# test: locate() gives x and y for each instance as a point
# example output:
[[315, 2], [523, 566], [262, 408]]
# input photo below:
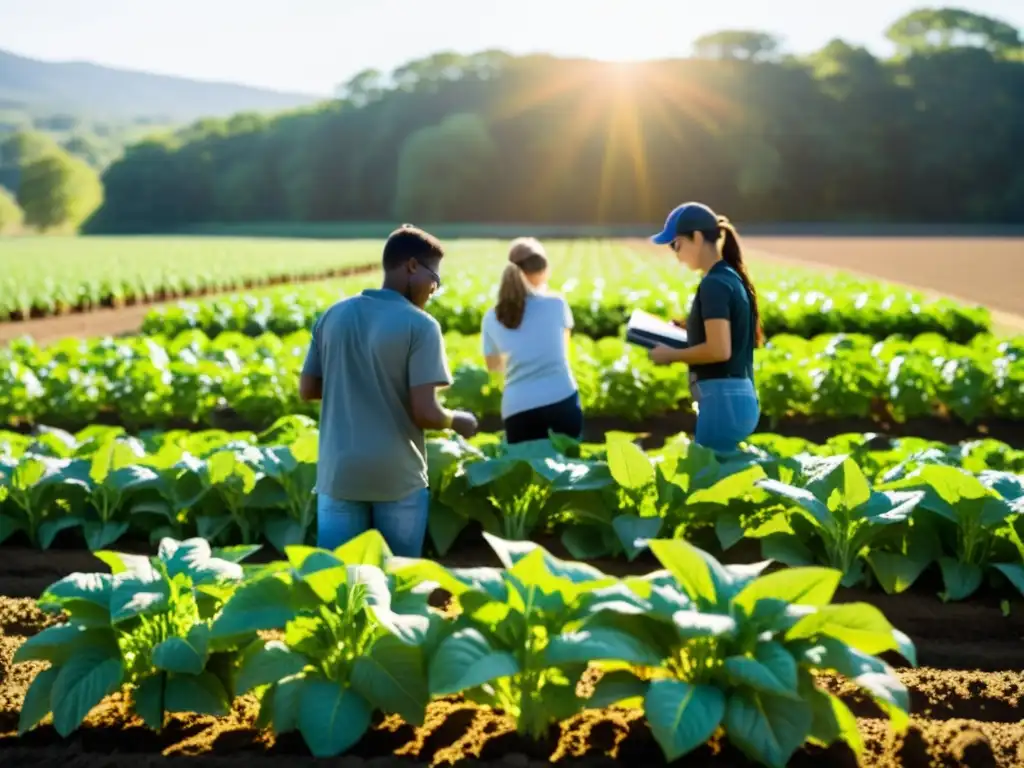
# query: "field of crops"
[[44, 276], [603, 282], [592, 603]]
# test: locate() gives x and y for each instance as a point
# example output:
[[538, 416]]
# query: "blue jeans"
[[727, 413], [402, 523]]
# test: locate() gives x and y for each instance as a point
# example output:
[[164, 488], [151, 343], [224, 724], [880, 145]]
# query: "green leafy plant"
[[739, 650], [354, 640], [836, 519], [976, 525], [146, 626], [502, 649]]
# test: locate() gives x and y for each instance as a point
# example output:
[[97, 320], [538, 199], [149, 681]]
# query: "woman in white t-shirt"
[[526, 336]]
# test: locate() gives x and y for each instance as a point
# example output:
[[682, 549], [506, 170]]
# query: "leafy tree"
[[747, 45], [59, 191], [362, 88], [943, 28], [840, 135], [20, 149], [441, 165], [11, 215]]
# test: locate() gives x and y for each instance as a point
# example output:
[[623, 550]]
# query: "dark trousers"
[[564, 417]]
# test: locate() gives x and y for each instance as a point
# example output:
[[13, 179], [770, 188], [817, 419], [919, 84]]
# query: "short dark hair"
[[409, 242]]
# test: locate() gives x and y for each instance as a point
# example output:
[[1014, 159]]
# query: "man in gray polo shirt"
[[376, 361]]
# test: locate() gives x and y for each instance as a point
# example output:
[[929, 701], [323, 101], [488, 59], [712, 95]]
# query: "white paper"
[[648, 323]]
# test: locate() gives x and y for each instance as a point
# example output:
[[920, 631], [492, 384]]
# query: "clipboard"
[[647, 331]]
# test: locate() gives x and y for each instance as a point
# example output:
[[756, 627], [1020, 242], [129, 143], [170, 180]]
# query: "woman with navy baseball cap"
[[723, 328]]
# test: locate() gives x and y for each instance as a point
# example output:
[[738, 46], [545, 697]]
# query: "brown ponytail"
[[732, 254], [527, 257]]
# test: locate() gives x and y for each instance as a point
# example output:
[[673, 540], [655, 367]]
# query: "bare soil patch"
[[985, 271]]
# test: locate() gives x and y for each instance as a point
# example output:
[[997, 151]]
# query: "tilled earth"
[[966, 701]]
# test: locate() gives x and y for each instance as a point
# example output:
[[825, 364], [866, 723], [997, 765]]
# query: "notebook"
[[646, 330]]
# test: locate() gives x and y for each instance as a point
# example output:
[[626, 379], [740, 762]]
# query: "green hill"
[[41, 87]]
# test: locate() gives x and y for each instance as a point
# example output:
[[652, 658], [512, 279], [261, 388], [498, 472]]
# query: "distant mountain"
[[82, 88]]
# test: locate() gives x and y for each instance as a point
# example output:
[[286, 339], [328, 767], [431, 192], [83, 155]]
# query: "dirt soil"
[[940, 265], [966, 706], [985, 271]]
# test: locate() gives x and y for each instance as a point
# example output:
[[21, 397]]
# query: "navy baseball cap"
[[688, 217]]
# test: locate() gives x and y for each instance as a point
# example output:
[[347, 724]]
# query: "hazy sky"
[[319, 43]]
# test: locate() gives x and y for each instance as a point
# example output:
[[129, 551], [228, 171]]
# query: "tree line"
[[43, 186], [932, 134]]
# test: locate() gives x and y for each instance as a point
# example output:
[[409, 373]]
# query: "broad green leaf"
[[772, 669], [510, 552], [1013, 572], [368, 548], [586, 542], [686, 563], [266, 665], [768, 729], [804, 586], [331, 718], [202, 694], [99, 534], [802, 498], [82, 683], [36, 705], [283, 531], [138, 594], [843, 485], [95, 588], [682, 716], [895, 572], [120, 562], [49, 529], [860, 625], [833, 721], [326, 583], [262, 604], [729, 488], [629, 465], [961, 580], [691, 624], [618, 687], [175, 654], [787, 549], [60, 643], [890, 694], [392, 678], [729, 530], [465, 660], [444, 526], [634, 532], [600, 644], [287, 697], [148, 700], [408, 628]]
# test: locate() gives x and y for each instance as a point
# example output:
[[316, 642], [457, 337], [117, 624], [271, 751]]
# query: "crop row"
[[879, 456], [152, 381], [43, 276], [603, 283], [803, 509], [698, 645]]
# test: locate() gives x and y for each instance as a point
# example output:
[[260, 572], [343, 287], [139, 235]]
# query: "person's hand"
[[662, 355], [464, 423]]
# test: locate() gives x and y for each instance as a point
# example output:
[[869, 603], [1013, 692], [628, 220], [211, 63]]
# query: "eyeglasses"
[[433, 274], [674, 245]]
